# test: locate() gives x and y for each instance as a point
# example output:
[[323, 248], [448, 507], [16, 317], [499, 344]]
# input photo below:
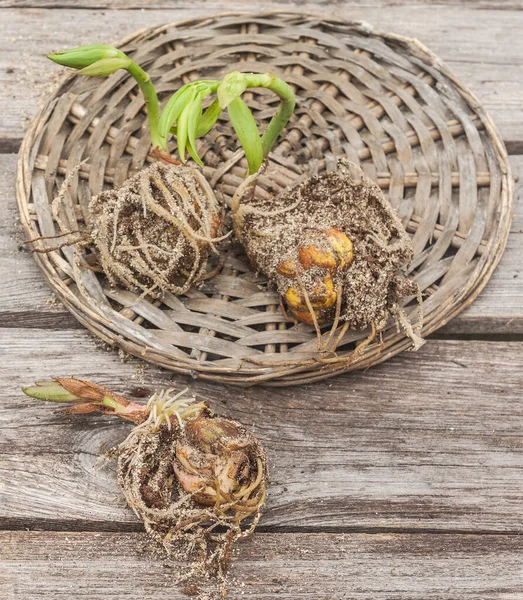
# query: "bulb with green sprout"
[[332, 245], [155, 233], [183, 470]]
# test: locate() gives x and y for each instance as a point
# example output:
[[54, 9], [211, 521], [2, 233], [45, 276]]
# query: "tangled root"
[[154, 233], [197, 482], [334, 248]]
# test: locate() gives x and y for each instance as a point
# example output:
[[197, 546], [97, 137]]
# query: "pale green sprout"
[[183, 115]]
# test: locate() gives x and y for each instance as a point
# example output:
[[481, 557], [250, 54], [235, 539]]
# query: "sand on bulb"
[[334, 247], [197, 481], [155, 233]]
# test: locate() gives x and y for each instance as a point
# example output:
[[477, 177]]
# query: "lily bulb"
[[217, 460]]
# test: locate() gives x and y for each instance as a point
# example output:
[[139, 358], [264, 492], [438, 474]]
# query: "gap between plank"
[[38, 524], [63, 320], [12, 145], [39, 319], [475, 337]]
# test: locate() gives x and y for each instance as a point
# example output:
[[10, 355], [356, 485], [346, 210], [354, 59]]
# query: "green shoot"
[[183, 115]]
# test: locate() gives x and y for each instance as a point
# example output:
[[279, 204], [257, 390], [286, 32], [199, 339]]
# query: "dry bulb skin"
[[196, 480], [334, 248]]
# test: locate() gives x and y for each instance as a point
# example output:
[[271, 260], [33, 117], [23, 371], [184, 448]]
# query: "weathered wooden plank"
[[156, 4], [24, 292], [40, 565], [427, 441], [24, 296], [466, 37]]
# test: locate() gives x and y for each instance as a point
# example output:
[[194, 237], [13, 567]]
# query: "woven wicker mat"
[[385, 101]]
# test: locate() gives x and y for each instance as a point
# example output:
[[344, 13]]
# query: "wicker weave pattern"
[[386, 102]]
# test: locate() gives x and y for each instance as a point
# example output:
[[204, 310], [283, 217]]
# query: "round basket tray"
[[386, 102]]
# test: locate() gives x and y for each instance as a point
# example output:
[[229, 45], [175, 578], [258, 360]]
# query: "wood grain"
[[438, 447], [429, 445], [25, 294], [466, 37], [156, 4], [59, 566]]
